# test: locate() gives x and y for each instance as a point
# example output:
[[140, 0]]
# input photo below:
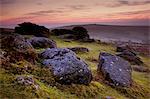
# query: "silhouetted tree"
[[80, 32], [28, 28]]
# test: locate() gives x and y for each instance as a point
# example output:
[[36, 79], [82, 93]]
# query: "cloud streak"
[[77, 7], [64, 9], [45, 12], [144, 12], [120, 3]]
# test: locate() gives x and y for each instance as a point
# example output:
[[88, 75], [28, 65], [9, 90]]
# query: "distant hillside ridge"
[[139, 34]]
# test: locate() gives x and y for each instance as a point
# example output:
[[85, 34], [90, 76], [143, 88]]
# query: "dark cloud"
[[4, 2], [45, 12], [123, 3]]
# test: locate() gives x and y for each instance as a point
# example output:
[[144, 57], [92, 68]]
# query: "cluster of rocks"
[[66, 67]]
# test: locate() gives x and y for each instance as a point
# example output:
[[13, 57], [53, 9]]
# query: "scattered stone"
[[79, 49], [66, 66], [42, 42], [109, 97], [27, 81], [115, 70]]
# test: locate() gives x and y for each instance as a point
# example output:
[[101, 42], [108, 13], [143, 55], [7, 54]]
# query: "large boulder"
[[42, 42], [17, 48], [66, 66], [79, 49], [115, 70], [131, 57]]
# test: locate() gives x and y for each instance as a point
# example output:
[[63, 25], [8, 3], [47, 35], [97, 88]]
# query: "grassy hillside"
[[49, 89]]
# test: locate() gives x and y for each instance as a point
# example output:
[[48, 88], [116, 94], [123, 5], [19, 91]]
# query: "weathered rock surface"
[[66, 66], [79, 49], [17, 47], [115, 70], [42, 42], [131, 57]]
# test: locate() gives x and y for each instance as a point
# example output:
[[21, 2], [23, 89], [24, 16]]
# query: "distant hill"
[[140, 34], [6, 30]]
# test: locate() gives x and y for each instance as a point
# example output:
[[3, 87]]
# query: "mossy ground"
[[48, 88]]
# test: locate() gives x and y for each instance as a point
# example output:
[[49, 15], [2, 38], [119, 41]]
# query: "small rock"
[[79, 49], [27, 81]]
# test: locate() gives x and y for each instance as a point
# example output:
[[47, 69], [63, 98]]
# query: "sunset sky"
[[64, 12]]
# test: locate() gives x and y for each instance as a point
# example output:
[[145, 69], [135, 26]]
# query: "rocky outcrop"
[[115, 70], [42, 42], [79, 49], [17, 47], [66, 66]]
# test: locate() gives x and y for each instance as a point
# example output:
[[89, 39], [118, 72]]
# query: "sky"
[[52, 13]]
